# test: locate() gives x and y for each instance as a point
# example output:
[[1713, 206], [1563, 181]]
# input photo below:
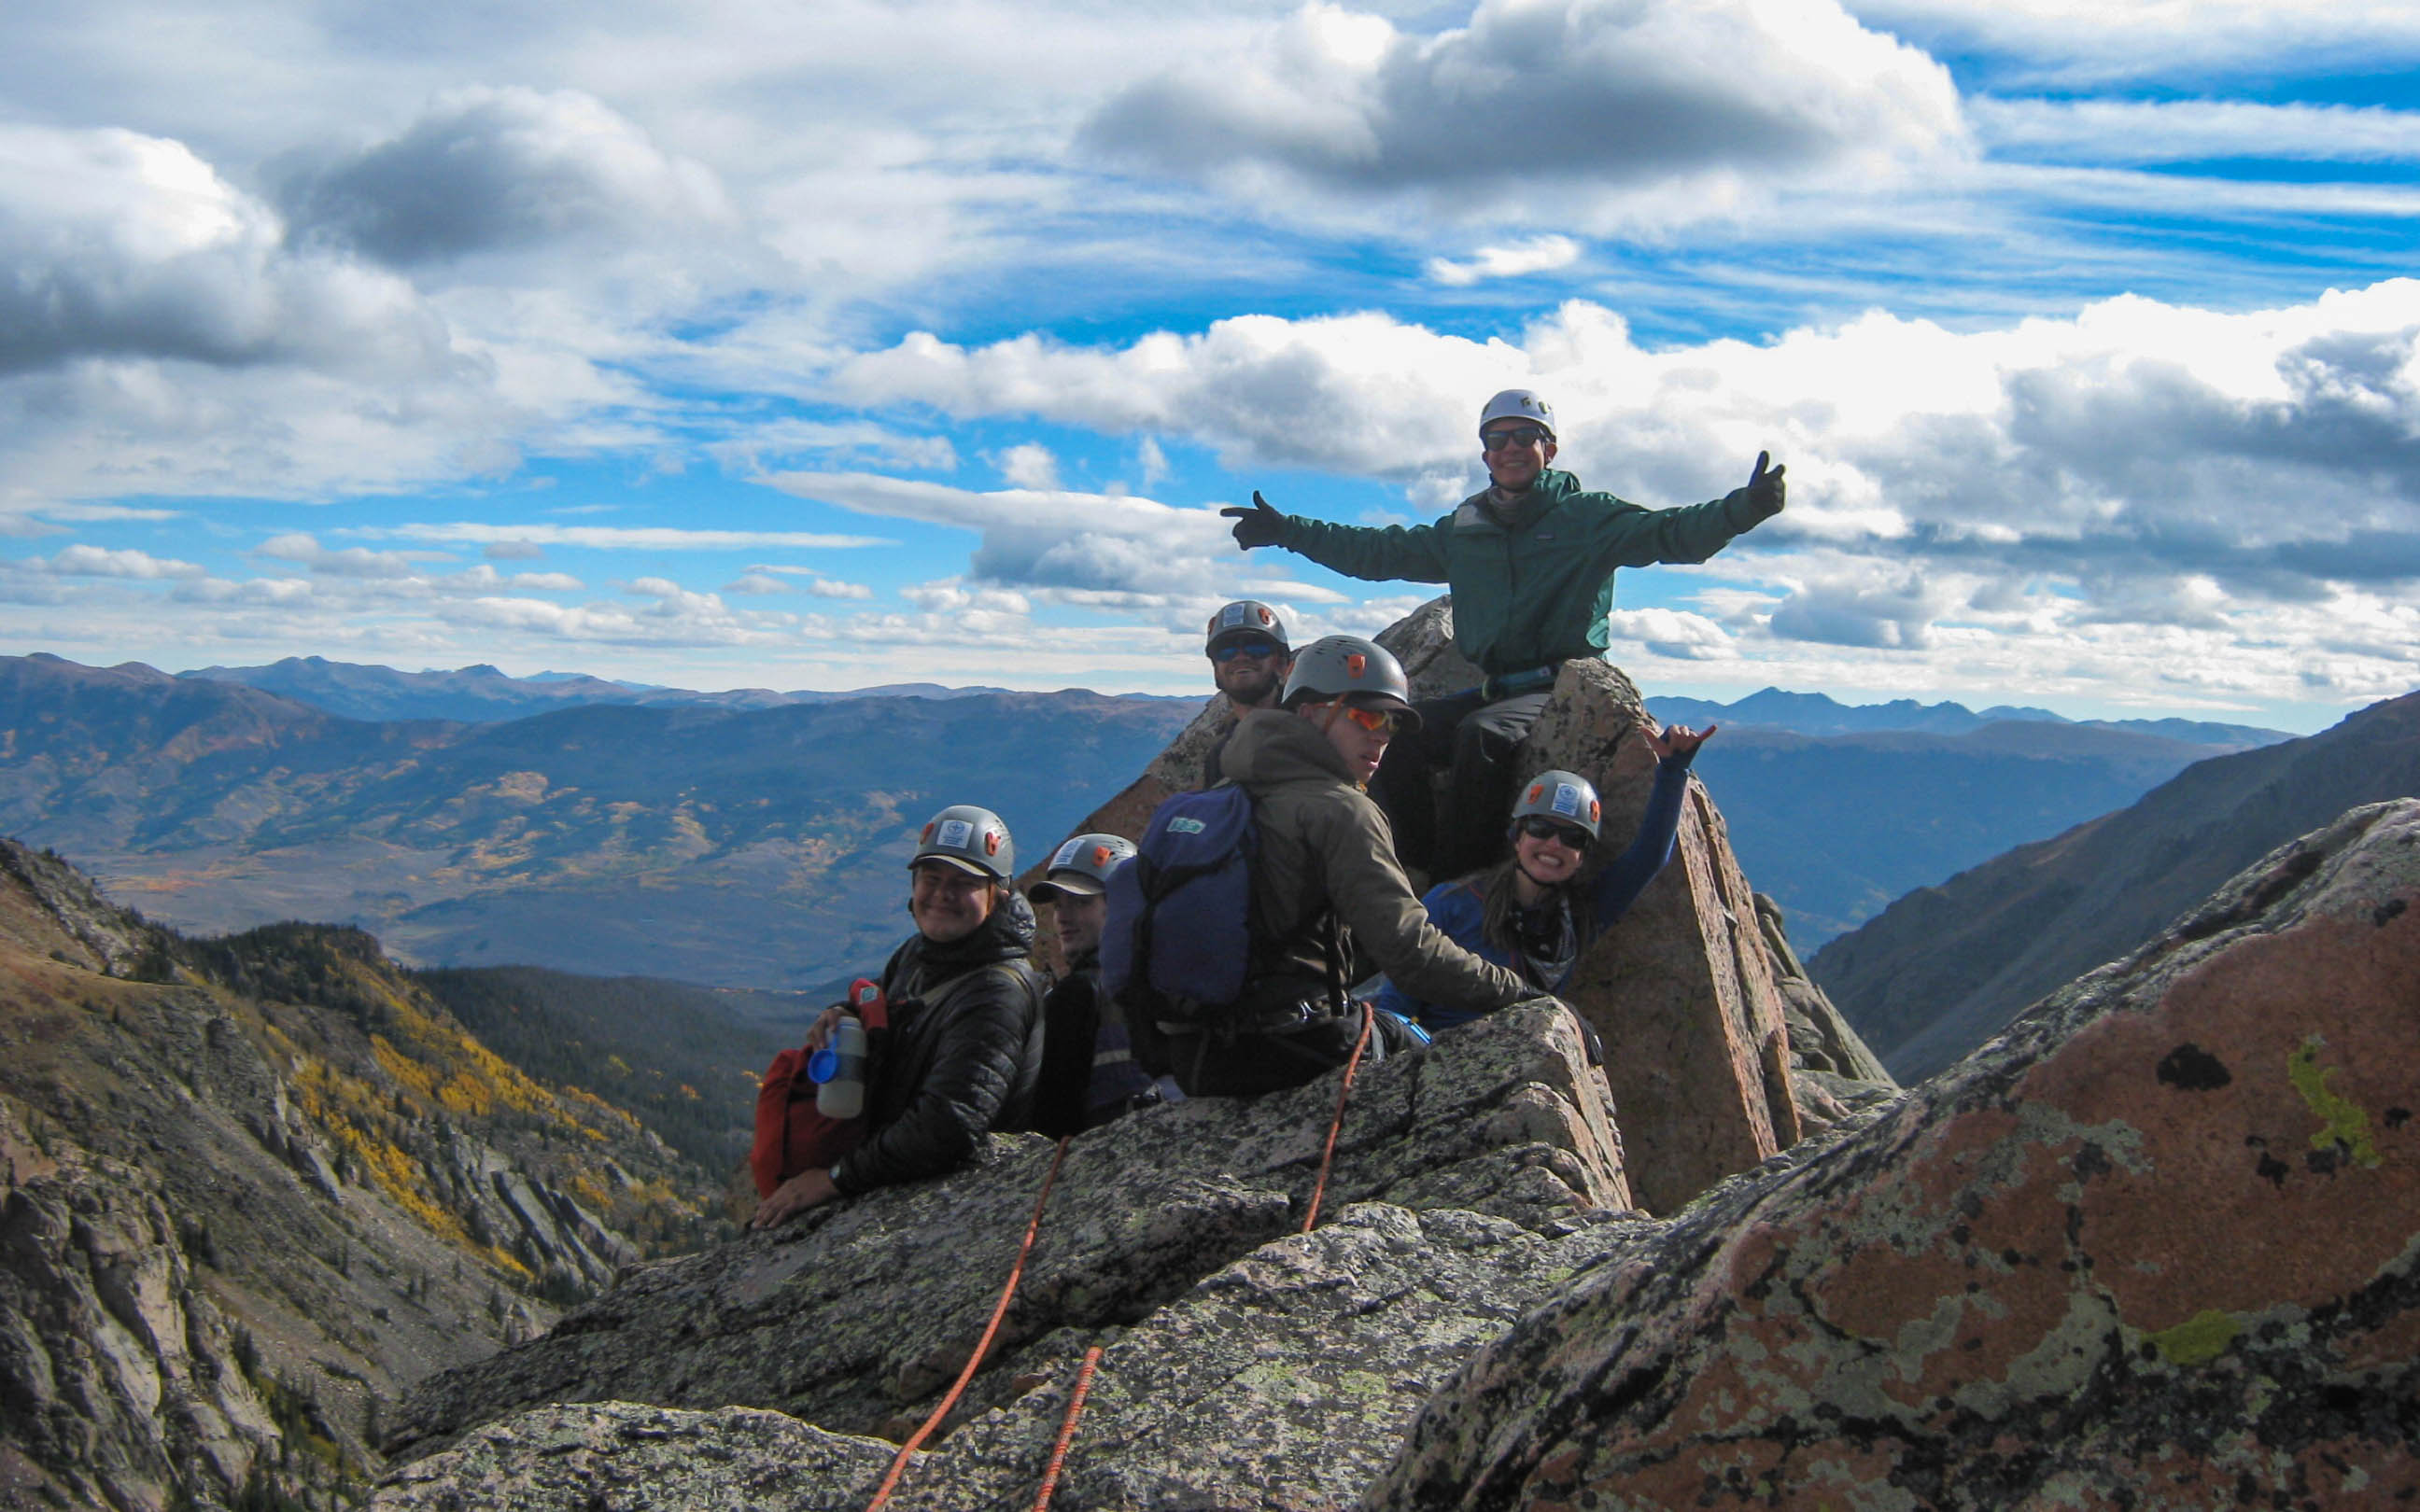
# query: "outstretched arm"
[[1361, 551], [1619, 884], [1627, 535]]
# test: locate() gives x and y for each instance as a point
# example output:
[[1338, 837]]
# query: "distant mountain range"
[[722, 838], [749, 847], [1814, 714], [483, 694], [1944, 967]]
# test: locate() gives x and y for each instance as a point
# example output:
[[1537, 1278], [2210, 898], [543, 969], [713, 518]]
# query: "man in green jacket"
[[1530, 563]]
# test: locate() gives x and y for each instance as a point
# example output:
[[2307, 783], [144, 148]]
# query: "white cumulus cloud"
[[1601, 112]]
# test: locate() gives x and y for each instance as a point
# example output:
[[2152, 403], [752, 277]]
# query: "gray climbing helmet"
[[1246, 619], [971, 838], [1517, 404], [1360, 672], [1554, 793], [1080, 868]]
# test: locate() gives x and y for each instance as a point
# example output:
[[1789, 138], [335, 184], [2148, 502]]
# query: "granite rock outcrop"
[[2158, 1245], [856, 1316]]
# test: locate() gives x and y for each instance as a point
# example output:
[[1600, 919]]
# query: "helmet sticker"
[[1101, 855], [1596, 810], [1567, 799], [1067, 856], [1233, 615], [956, 833], [1356, 664], [926, 838], [991, 842], [1535, 789], [1267, 618]]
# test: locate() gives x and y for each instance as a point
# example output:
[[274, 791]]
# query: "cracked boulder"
[[2156, 1245], [856, 1316]]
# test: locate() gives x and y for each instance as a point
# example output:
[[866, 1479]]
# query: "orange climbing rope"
[[1067, 1428], [983, 1345], [1328, 1157]]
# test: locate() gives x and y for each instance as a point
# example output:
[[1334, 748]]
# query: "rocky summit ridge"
[[2158, 1245]]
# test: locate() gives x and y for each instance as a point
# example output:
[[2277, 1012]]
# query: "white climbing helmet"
[[1517, 404]]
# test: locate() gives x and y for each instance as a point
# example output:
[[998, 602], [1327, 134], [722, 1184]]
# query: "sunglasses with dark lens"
[[1513, 435], [1537, 827], [1257, 650], [1391, 720]]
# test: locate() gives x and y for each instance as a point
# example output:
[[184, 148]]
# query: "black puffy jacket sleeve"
[[963, 1062]]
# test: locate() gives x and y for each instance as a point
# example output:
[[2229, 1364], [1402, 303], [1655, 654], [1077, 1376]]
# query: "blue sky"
[[825, 345]]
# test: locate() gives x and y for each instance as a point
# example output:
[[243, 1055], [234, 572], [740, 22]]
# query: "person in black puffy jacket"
[[964, 1047]]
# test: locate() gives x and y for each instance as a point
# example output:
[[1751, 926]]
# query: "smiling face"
[[948, 903], [1516, 451], [1548, 861], [1253, 676]]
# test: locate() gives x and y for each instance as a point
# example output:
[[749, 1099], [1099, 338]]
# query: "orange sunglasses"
[[1391, 720]]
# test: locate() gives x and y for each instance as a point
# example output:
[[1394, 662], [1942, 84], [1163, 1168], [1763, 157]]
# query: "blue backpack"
[[1179, 939]]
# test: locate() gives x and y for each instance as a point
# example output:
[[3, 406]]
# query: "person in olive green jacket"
[[1330, 906], [1530, 563]]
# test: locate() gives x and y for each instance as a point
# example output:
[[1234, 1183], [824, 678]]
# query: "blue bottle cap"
[[823, 1065]]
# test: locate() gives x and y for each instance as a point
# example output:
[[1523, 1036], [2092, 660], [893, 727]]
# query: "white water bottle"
[[838, 1071]]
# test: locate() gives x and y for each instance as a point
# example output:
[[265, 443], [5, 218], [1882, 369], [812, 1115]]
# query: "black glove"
[[1760, 500], [1257, 526]]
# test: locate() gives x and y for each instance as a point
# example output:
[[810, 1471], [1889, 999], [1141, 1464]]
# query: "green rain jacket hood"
[[1536, 592]]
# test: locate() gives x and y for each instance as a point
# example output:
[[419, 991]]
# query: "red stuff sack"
[[791, 1135]]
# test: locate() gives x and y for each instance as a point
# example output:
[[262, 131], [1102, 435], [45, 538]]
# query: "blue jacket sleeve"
[[1454, 909], [1619, 884]]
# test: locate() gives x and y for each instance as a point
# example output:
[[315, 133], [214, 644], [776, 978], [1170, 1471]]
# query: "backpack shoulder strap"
[[1028, 978]]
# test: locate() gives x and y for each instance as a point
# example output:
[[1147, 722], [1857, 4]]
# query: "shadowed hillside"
[[683, 1061], [259, 1184], [1836, 827], [1943, 968]]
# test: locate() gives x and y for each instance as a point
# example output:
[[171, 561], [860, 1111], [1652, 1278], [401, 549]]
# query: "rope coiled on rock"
[[983, 1345]]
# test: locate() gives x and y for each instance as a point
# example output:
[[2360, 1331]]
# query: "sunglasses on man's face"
[[1537, 827], [1514, 438], [1257, 650], [1391, 720]]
